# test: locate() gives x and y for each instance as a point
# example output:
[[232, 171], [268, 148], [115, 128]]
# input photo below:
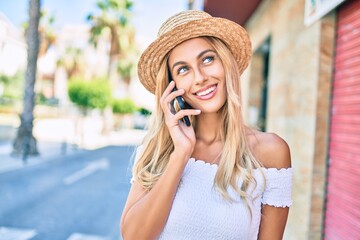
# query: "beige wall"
[[296, 67]]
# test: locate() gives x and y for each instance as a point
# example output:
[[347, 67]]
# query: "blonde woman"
[[214, 178]]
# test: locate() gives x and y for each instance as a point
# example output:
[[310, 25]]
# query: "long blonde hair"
[[236, 157]]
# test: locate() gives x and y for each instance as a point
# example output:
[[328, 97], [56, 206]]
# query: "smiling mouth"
[[207, 91]]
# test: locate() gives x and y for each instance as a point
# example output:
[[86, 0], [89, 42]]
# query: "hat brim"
[[232, 34]]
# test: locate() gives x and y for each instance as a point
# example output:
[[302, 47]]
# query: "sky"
[[148, 14]]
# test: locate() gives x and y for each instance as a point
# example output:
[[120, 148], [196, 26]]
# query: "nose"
[[199, 76]]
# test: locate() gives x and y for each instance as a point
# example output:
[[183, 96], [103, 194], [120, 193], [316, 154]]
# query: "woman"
[[217, 178]]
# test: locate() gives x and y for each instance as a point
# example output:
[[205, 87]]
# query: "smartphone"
[[182, 104]]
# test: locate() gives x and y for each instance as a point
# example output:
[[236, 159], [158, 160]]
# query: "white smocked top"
[[200, 212]]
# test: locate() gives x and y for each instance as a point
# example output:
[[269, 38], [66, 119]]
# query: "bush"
[[123, 106], [90, 94], [13, 86], [42, 100], [144, 111]]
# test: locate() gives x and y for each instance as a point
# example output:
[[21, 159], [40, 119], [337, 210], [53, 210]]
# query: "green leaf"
[[90, 94], [124, 106]]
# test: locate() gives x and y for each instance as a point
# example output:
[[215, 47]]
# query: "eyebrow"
[[198, 56]]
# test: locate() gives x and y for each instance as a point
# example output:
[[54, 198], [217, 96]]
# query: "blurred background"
[[72, 109]]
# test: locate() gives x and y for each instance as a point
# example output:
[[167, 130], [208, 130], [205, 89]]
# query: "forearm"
[[147, 217], [273, 222]]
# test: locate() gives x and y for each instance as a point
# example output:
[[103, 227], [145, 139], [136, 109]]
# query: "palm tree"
[[47, 32], [25, 143], [126, 69], [126, 64], [113, 19], [72, 61]]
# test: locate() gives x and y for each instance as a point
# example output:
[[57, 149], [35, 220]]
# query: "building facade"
[[12, 48], [303, 84]]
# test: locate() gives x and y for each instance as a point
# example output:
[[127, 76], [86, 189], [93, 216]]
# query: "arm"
[[273, 221], [274, 153], [146, 212]]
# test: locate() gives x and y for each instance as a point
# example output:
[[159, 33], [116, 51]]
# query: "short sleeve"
[[136, 158], [278, 189]]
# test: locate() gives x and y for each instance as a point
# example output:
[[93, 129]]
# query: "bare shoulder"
[[270, 149]]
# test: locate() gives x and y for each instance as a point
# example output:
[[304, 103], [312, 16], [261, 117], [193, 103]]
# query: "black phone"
[[182, 104]]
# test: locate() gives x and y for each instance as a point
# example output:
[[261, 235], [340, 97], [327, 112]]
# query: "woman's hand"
[[182, 135]]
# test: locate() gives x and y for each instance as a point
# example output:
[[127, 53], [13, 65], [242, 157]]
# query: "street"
[[80, 196]]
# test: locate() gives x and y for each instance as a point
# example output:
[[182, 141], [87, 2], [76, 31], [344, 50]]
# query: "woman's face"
[[196, 68]]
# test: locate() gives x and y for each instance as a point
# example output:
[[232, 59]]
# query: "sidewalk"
[[51, 150], [48, 150]]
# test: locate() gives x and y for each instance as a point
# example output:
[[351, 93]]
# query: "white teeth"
[[207, 91]]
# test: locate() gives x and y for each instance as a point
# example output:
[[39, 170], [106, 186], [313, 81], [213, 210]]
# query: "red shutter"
[[342, 214]]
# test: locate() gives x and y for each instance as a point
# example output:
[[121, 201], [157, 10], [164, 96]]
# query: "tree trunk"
[[190, 4], [25, 142], [114, 51]]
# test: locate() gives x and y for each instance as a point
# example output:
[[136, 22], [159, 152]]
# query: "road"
[[80, 196]]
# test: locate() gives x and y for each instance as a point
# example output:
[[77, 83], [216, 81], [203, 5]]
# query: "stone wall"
[[298, 101]]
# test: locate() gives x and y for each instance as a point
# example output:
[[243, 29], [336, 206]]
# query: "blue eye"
[[182, 70], [208, 59]]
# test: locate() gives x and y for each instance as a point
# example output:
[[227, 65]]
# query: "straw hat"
[[184, 26]]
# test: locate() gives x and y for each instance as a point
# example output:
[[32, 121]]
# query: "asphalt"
[[50, 150]]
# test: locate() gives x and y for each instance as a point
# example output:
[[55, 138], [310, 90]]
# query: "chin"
[[211, 109]]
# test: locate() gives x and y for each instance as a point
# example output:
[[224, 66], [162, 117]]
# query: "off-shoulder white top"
[[199, 211]]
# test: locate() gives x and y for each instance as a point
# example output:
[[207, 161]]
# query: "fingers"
[[166, 101], [178, 118], [168, 97], [167, 91], [187, 112], [163, 102]]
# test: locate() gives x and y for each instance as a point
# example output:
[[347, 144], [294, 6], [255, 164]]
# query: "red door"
[[342, 214]]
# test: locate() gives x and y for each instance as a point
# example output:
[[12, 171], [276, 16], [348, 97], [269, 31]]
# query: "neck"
[[208, 127]]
